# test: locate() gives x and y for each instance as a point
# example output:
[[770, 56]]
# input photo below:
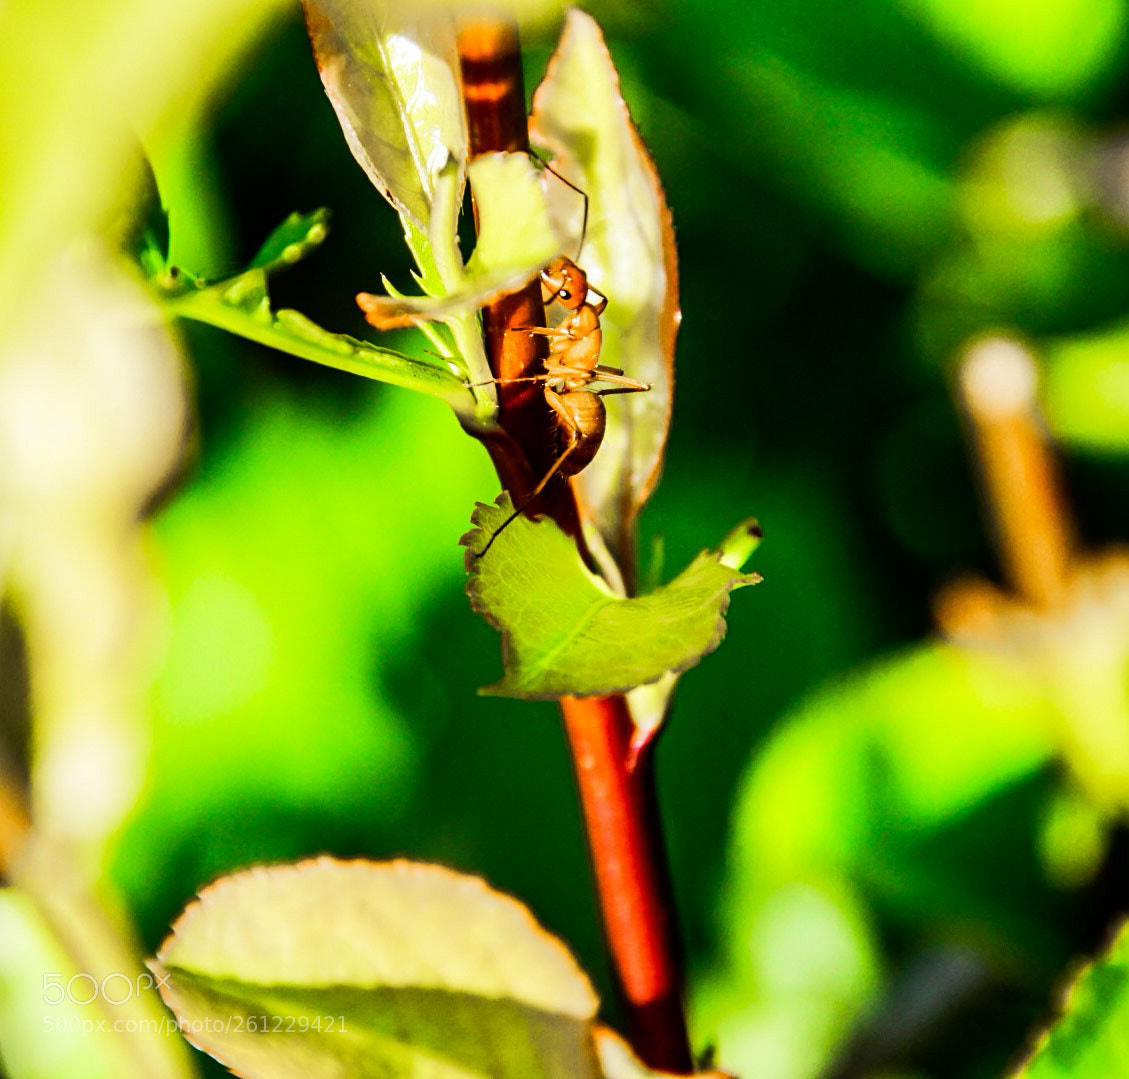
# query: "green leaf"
[[241, 305], [331, 968], [565, 633], [515, 232], [292, 241], [1092, 1036], [515, 239], [579, 114], [390, 71]]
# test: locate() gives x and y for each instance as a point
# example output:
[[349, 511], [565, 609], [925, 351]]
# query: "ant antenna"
[[583, 194]]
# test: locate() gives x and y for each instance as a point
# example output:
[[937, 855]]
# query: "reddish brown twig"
[[624, 833], [625, 838]]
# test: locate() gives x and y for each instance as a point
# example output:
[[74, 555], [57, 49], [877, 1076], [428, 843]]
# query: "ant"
[[572, 366]]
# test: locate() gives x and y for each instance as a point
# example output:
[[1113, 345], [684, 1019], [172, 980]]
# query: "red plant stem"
[[618, 803], [625, 839]]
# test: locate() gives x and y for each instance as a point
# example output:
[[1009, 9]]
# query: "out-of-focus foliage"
[[895, 790], [1090, 1038], [857, 189]]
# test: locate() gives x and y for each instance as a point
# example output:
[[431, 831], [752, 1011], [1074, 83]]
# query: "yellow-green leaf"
[[515, 239], [331, 968], [390, 71], [565, 633]]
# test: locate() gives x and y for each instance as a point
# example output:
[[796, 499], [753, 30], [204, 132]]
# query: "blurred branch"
[[998, 382]]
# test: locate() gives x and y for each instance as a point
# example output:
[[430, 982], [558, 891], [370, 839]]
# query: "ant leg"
[[573, 441], [507, 381], [544, 331], [536, 491]]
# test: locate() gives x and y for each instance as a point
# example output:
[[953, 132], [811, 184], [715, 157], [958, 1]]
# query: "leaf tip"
[[739, 544]]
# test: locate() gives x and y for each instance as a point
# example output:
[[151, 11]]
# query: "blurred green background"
[[862, 826]]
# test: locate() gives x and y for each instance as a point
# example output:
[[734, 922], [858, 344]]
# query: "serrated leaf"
[[515, 239], [565, 633], [580, 117], [1092, 1036], [390, 71], [331, 968]]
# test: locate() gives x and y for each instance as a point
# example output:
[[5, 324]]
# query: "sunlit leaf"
[[1092, 1036], [329, 968], [565, 632], [580, 117], [515, 239], [241, 305], [390, 71], [515, 231]]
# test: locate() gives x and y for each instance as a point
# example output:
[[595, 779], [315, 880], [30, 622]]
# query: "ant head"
[[565, 282]]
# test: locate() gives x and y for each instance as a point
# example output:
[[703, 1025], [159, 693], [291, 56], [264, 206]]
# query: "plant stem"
[[618, 803], [625, 839]]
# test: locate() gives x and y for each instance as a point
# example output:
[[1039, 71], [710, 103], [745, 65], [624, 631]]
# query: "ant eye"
[[564, 294]]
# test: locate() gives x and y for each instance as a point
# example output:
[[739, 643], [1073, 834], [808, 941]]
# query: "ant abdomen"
[[583, 429]]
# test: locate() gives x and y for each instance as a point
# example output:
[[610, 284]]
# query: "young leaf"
[[580, 117], [241, 305], [1090, 1039], [331, 968], [565, 633], [292, 241], [515, 239], [390, 73]]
